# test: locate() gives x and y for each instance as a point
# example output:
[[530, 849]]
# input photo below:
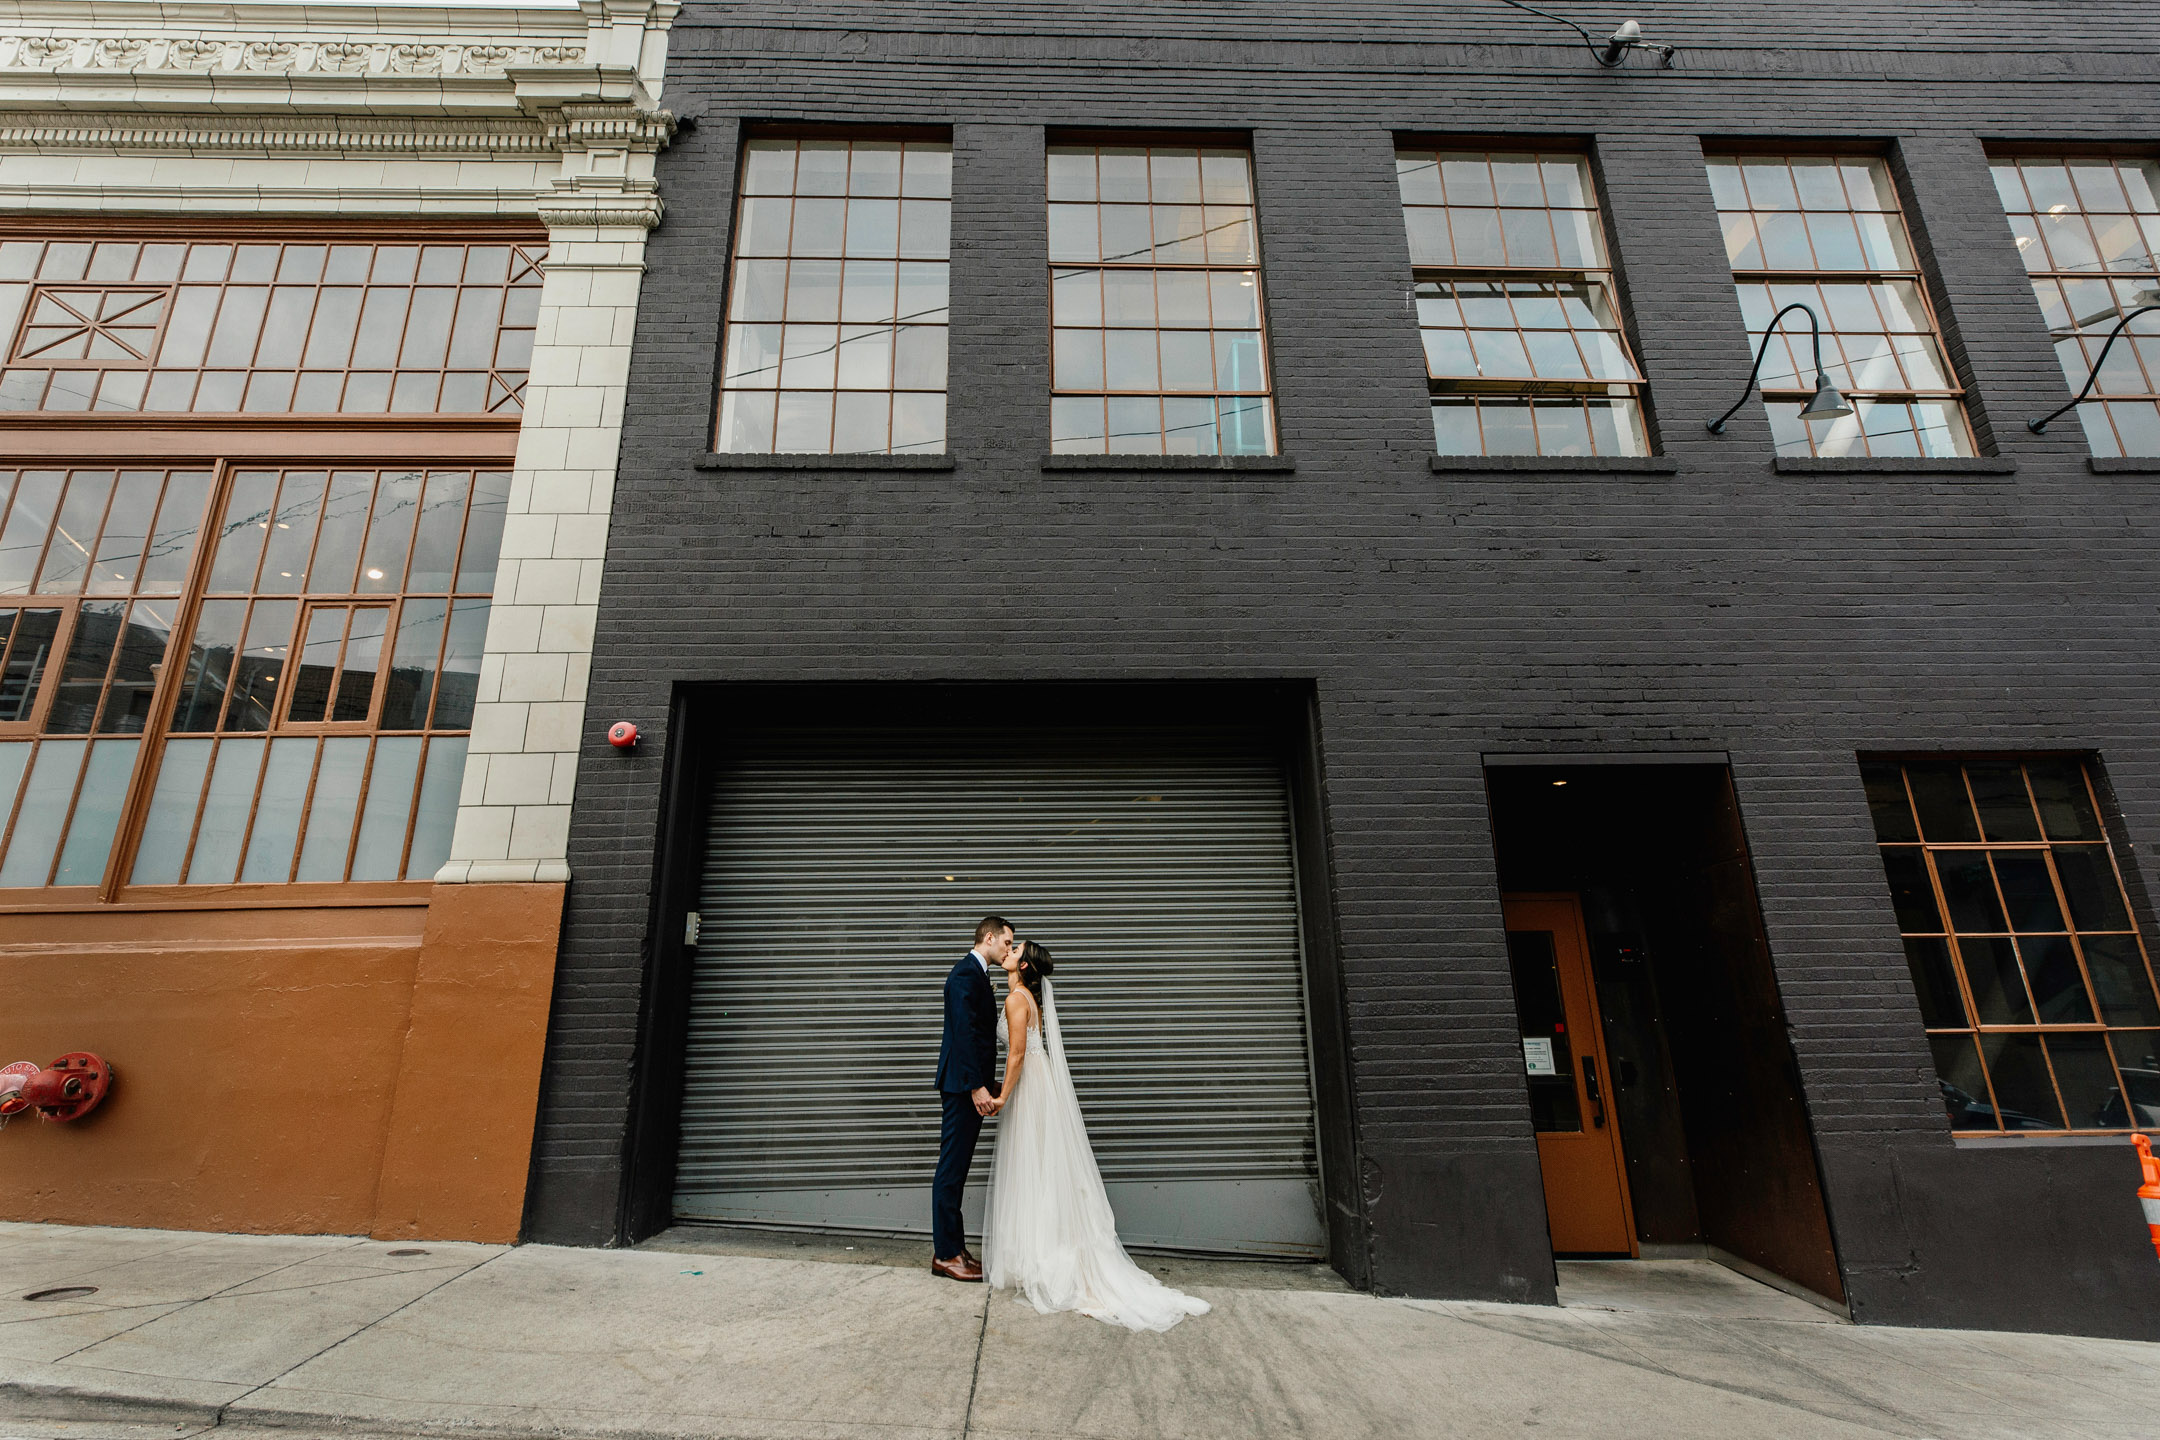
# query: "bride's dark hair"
[[1035, 967]]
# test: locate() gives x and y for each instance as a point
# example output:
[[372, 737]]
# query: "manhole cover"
[[62, 1292], [402, 1253]]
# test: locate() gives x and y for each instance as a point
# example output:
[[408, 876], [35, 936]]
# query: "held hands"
[[987, 1104]]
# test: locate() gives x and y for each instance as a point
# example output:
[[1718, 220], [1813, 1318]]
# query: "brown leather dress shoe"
[[961, 1267]]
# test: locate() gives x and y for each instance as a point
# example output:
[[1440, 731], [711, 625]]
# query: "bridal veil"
[[1049, 1232]]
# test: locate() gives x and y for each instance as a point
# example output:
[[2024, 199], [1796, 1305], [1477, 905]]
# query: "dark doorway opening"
[[1691, 1045]]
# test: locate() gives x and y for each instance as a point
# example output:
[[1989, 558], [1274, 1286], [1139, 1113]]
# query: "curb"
[[314, 1423], [25, 1401]]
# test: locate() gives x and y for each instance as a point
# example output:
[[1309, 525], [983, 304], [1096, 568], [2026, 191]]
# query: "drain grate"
[[400, 1254], [62, 1292]]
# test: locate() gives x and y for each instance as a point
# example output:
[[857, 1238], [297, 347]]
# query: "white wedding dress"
[[1049, 1232]]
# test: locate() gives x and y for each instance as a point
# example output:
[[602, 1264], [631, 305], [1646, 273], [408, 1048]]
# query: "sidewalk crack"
[[344, 1339], [967, 1423], [191, 1304]]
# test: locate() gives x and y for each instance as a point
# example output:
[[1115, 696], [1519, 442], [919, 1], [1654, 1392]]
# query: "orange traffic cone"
[[2149, 1192]]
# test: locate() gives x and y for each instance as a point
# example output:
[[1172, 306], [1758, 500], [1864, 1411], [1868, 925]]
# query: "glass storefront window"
[[339, 632]]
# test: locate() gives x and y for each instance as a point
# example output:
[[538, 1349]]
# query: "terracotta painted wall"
[[260, 1058], [459, 1139]]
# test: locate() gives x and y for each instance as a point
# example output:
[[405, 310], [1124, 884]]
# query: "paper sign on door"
[[1537, 1056]]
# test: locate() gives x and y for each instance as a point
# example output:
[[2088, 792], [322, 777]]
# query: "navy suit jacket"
[[967, 1056]]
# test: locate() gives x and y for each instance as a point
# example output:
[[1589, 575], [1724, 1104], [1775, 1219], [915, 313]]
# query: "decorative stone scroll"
[[152, 54]]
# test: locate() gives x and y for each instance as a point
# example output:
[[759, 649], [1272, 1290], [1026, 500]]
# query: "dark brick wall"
[[1787, 619]]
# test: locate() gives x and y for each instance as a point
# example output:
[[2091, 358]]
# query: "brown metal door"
[[1578, 1137]]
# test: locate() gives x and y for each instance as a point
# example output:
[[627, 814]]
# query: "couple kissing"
[[1048, 1228]]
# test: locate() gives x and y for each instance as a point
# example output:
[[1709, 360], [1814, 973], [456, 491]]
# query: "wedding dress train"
[[1049, 1232]]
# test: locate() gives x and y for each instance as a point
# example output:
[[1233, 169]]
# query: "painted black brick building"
[[1706, 644]]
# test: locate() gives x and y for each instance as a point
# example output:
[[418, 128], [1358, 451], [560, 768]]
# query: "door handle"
[[1597, 1098]]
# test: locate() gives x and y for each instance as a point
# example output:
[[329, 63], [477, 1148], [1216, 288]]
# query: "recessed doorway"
[[1663, 1088]]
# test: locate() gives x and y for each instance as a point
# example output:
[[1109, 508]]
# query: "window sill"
[[1893, 465], [298, 895], [824, 462], [1553, 464], [2052, 1140], [1249, 464], [2124, 464]]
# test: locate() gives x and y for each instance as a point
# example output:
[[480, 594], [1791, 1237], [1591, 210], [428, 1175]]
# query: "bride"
[[1050, 1232]]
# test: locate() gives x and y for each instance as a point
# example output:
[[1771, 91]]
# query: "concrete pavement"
[[762, 1337]]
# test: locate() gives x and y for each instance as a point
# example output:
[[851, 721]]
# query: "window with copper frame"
[[1525, 353], [330, 669], [1157, 343], [837, 314], [2033, 981], [266, 326], [2088, 229], [1827, 231], [261, 671]]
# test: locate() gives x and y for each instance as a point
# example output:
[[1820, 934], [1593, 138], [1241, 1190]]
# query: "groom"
[[966, 1069]]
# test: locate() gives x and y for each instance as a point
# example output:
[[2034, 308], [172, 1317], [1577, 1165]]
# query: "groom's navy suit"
[[967, 1062]]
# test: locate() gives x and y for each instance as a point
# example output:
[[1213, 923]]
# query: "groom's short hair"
[[990, 925]]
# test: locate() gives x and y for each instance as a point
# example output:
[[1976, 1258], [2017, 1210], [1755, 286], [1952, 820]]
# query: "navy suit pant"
[[956, 1152]]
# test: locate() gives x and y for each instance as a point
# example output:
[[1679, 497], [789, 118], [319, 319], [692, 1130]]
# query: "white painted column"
[[513, 821]]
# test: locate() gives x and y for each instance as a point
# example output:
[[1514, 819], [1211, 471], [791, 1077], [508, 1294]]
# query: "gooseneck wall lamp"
[[1613, 48], [1827, 404], [2092, 376]]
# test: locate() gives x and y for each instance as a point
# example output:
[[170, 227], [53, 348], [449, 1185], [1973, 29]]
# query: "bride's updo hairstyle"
[[1035, 967]]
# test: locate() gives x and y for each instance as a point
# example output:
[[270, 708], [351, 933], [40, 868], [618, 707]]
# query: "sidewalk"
[[732, 1336]]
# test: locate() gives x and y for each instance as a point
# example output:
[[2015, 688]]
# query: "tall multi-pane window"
[[123, 326], [1826, 230], [1157, 342], [247, 653], [836, 316], [329, 661], [2033, 983], [1524, 350], [2089, 231], [325, 692]]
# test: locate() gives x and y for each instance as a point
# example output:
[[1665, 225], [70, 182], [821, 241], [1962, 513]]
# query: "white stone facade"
[[552, 114]]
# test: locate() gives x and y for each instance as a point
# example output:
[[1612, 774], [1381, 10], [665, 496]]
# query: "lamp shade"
[[1826, 404]]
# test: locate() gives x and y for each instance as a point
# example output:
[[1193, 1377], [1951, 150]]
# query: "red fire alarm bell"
[[622, 735]]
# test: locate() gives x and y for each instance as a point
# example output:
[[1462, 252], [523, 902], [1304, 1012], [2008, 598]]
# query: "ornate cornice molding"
[[609, 126], [277, 134], [577, 92], [271, 55], [632, 215]]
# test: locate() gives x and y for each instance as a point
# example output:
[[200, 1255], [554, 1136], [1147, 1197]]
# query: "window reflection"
[[2088, 229], [31, 634], [1156, 333], [836, 323], [1524, 350], [377, 653], [1826, 231]]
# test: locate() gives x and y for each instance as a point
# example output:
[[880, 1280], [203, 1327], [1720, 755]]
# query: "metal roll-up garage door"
[[843, 875]]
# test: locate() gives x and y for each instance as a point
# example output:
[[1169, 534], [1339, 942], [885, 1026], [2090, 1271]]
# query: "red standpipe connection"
[[68, 1089]]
